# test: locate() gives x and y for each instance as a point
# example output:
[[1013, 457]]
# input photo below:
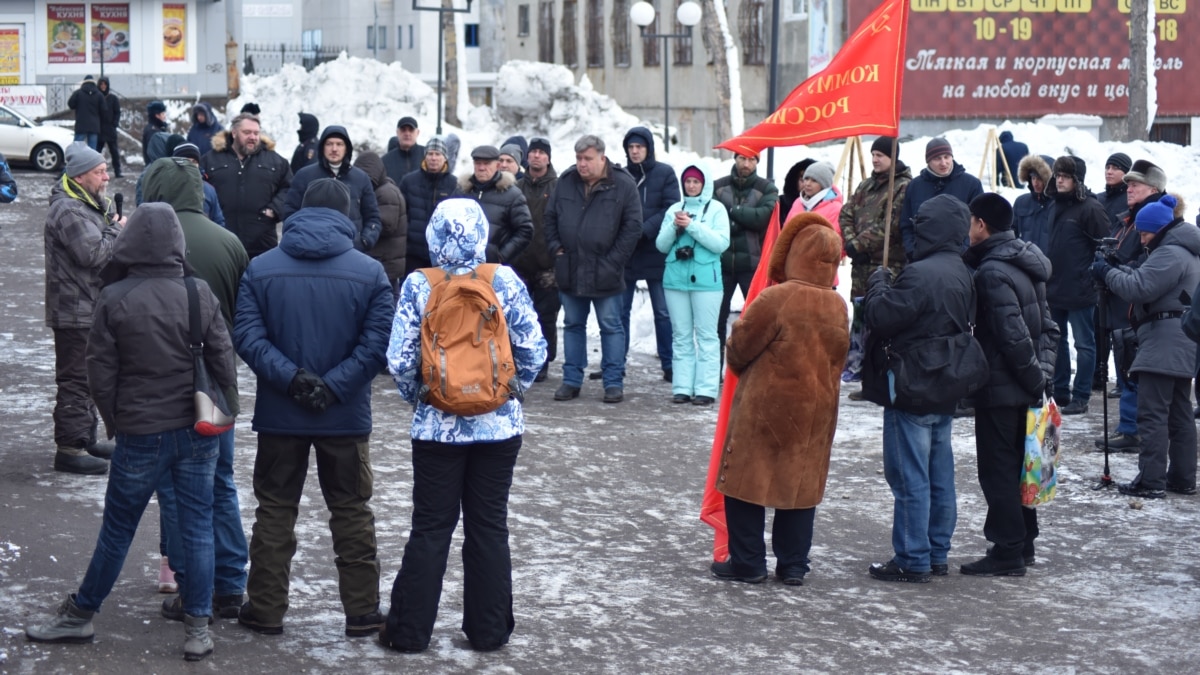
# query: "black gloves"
[[310, 391], [881, 275], [856, 256]]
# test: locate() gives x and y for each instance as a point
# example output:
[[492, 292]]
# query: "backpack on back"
[[467, 365]]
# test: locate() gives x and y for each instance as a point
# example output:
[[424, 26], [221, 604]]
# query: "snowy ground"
[[610, 559]]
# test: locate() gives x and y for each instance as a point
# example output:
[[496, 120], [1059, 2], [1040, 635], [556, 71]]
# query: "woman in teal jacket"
[[694, 233]]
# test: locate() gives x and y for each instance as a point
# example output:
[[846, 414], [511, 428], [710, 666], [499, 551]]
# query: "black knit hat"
[[936, 147], [884, 145], [328, 193], [1119, 160], [539, 143], [993, 210]]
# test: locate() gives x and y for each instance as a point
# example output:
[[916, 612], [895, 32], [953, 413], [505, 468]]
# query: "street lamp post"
[[440, 9], [688, 14]]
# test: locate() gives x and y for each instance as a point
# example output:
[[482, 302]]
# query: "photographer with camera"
[[1165, 360], [694, 233]]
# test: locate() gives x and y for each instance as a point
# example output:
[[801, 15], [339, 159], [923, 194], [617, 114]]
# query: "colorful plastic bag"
[[1039, 474]]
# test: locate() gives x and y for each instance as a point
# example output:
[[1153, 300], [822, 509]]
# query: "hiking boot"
[[1136, 490], [668, 374], [614, 395], [166, 578], [724, 571], [247, 618], [1121, 442], [1115, 392], [703, 400], [364, 625], [597, 375], [988, 566], [681, 398], [197, 642], [102, 449], [77, 460], [790, 578], [1181, 490], [543, 373], [1075, 407], [69, 625], [856, 395], [890, 571], [939, 569], [172, 608], [227, 606], [566, 392]]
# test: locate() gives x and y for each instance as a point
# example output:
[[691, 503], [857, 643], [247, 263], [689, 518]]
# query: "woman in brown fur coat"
[[787, 349]]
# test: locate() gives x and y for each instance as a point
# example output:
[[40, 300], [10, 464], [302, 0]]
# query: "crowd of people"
[[319, 276]]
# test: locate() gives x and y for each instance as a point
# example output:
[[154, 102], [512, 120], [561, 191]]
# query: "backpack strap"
[[196, 340]]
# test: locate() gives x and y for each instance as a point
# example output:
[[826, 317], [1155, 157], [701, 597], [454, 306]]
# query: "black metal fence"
[[268, 59]]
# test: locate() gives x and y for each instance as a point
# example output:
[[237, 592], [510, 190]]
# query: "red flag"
[[712, 508], [857, 93]]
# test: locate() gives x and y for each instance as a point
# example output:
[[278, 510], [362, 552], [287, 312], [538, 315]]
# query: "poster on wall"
[[820, 35], [10, 56], [174, 31], [110, 33], [65, 25]]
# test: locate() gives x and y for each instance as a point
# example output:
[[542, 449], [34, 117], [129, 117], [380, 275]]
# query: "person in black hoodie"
[[110, 119], [1014, 327], [306, 152], [1078, 226], [918, 460], [337, 153], [88, 104]]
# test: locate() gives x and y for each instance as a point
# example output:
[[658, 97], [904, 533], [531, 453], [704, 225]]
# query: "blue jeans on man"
[[662, 318], [138, 467], [1083, 332], [918, 462], [92, 140], [612, 338], [231, 552]]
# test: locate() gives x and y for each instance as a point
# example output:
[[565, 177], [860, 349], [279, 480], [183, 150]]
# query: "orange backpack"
[[467, 364]]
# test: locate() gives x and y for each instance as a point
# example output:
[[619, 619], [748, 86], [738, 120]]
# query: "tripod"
[[1105, 479]]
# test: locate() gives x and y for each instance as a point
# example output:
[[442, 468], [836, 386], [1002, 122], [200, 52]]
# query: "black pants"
[[1168, 431], [791, 538], [74, 413], [731, 282], [108, 137], [475, 478], [1000, 452], [547, 305]]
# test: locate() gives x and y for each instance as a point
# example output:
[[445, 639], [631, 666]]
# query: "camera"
[[1107, 250], [684, 253]]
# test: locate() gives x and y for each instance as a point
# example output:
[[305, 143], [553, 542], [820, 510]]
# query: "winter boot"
[[77, 460], [198, 643], [71, 624], [166, 578]]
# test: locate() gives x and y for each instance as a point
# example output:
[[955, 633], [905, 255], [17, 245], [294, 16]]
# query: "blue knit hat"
[[1156, 215]]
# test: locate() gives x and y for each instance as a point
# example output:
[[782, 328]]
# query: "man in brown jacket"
[[81, 227]]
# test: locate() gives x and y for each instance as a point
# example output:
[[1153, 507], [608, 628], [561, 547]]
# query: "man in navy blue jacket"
[[335, 161], [941, 175], [313, 321]]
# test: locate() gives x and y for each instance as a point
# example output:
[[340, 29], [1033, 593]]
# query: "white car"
[[24, 140]]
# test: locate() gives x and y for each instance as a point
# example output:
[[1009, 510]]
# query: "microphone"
[[119, 199]]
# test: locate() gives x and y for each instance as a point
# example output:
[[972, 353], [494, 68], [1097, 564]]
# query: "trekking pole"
[[1106, 479]]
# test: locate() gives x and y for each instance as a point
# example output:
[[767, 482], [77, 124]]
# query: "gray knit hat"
[[81, 159], [822, 172], [512, 150]]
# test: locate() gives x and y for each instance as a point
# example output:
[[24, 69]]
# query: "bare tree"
[[451, 65], [718, 43], [1137, 122]]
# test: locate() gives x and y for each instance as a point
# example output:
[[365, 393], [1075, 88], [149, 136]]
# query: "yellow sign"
[[10, 56], [174, 32]]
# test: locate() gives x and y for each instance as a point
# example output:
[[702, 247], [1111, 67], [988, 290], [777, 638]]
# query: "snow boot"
[[198, 643], [70, 625], [77, 460]]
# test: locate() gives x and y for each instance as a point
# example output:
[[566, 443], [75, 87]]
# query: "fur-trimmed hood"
[[1032, 164], [224, 141], [808, 250]]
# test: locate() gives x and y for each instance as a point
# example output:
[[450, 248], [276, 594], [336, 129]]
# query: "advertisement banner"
[[174, 32], [820, 35], [110, 33], [10, 56], [64, 33], [1027, 58], [27, 99]]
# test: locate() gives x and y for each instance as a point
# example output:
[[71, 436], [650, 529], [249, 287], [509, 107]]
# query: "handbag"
[[938, 371], [1039, 471], [213, 416]]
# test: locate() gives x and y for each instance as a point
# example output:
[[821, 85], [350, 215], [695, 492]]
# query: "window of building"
[[650, 55], [383, 31], [620, 33], [370, 37], [522, 20], [570, 19], [683, 45], [595, 34], [411, 44], [546, 31], [750, 20], [471, 37]]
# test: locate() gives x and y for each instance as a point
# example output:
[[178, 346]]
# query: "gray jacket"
[[79, 238], [1159, 285]]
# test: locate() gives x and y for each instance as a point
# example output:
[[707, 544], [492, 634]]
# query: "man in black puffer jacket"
[[1079, 224], [88, 102], [336, 153], [918, 460], [510, 227], [251, 180], [423, 190], [1016, 332]]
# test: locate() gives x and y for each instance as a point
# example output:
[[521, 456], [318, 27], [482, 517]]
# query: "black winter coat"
[[152, 127], [536, 259], [1013, 323], [392, 246], [510, 227], [399, 163], [88, 103], [364, 208], [1129, 252], [423, 191], [596, 231], [1113, 199], [246, 188], [958, 184], [658, 188], [909, 311], [110, 110], [1079, 223], [306, 152]]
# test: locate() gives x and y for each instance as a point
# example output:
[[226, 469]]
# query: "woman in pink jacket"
[[819, 195]]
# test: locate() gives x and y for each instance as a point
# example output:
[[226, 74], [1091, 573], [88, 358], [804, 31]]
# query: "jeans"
[[138, 466], [1083, 331], [344, 472], [92, 140], [612, 338], [918, 463], [1000, 452], [662, 318], [74, 413], [791, 538], [231, 554], [476, 478], [697, 349], [1127, 407]]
